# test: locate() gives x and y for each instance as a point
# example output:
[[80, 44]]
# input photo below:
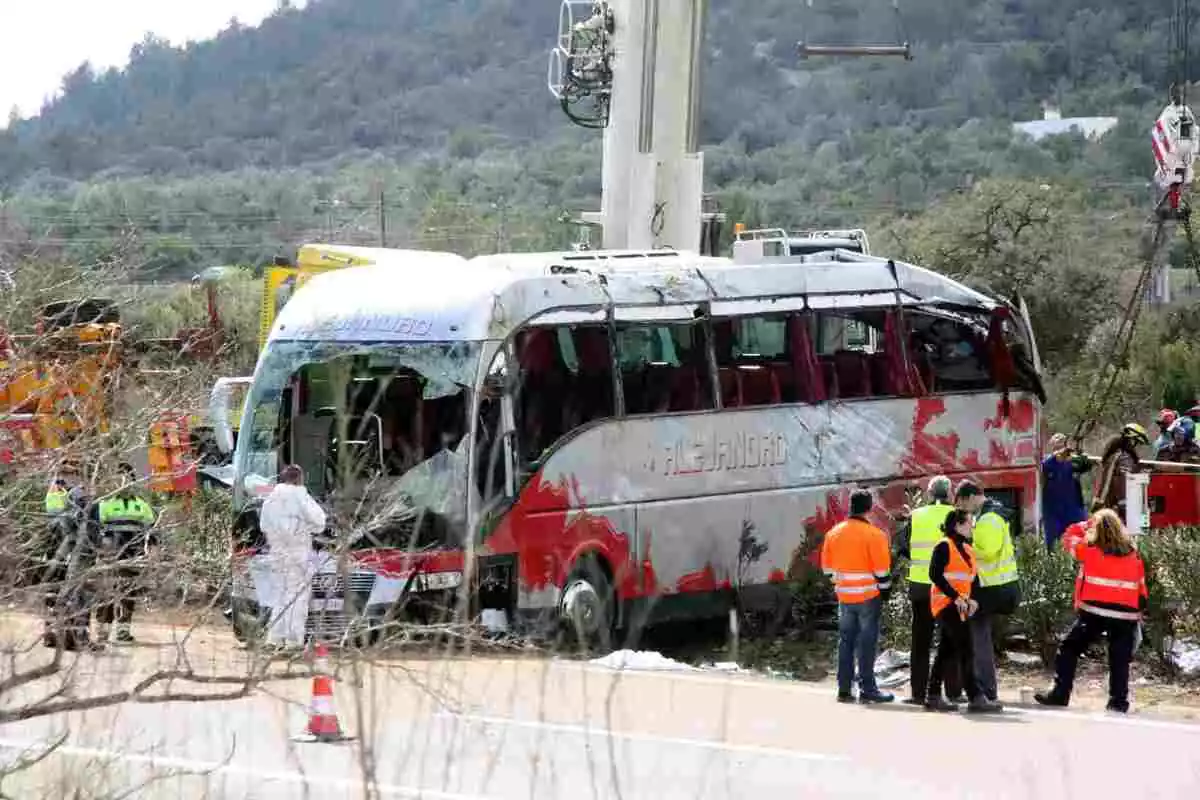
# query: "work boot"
[[876, 698], [845, 697], [982, 705], [124, 636], [1117, 708], [939, 703], [1050, 699]]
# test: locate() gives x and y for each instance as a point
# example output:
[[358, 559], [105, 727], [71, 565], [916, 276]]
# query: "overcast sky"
[[45, 39]]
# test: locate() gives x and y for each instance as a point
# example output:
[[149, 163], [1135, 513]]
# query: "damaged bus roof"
[[489, 297]]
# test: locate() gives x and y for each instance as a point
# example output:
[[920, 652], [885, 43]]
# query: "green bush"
[[897, 616], [1047, 595], [196, 547], [1173, 579]]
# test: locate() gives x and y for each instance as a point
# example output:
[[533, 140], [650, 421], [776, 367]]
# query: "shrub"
[[196, 547], [897, 616], [1047, 594], [1173, 579]]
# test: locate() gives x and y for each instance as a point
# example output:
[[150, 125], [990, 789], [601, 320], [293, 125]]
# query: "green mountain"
[[435, 118], [404, 77]]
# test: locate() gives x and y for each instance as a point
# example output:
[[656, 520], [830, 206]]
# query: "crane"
[[633, 68], [1175, 143]]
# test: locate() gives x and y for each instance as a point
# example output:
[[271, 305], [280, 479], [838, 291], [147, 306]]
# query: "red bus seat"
[[731, 394], [829, 375], [685, 390], [881, 375], [758, 386], [853, 374]]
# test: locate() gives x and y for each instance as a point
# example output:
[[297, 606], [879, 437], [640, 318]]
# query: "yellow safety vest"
[[56, 501], [995, 557], [134, 513], [925, 531]]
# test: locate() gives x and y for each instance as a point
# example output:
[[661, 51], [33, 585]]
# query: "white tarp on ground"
[[642, 661], [891, 668], [1185, 655]]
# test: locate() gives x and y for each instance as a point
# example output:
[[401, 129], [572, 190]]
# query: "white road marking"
[[797, 687], [197, 766], [581, 730]]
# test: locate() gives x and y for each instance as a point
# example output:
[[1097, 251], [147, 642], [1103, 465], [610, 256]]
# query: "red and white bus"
[[612, 443]]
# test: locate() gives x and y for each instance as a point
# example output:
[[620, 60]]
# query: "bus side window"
[[589, 384], [752, 356], [491, 460], [564, 381], [951, 353], [664, 367], [845, 347]]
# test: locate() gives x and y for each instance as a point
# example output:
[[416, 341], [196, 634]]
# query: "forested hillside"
[[432, 121], [408, 77]]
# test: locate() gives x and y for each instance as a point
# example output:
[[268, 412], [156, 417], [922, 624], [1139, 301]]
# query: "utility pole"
[[382, 219]]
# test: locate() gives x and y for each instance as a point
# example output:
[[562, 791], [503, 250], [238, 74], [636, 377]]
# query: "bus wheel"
[[587, 605]]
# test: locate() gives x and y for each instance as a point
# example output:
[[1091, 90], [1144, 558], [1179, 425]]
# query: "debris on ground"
[[892, 668], [730, 667], [890, 660], [1023, 659], [641, 661], [1185, 655]]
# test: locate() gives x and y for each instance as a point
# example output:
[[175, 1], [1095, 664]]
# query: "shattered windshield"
[[380, 431]]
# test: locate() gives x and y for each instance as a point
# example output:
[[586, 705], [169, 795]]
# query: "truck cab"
[[765, 244]]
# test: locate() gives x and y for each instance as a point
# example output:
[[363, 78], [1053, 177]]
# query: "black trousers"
[[954, 650], [923, 626], [1087, 629], [117, 603]]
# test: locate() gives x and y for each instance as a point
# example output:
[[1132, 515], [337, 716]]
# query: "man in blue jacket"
[[1062, 494]]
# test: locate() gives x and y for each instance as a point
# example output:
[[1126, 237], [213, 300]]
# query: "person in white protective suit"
[[289, 519]]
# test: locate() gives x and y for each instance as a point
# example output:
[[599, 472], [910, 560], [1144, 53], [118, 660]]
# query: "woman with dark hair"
[[955, 579], [1120, 459]]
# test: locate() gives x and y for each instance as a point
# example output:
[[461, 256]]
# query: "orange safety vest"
[[857, 559], [1108, 585], [960, 573]]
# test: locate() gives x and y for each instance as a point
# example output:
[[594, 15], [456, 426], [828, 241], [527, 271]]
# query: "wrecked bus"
[[612, 446]]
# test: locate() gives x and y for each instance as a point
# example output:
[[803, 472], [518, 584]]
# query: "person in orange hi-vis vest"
[[955, 579], [857, 558], [1110, 596]]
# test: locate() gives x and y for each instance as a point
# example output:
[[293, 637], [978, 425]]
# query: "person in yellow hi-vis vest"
[[924, 531], [126, 536], [999, 587]]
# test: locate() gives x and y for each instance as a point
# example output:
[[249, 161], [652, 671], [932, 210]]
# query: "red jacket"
[[1110, 585], [1074, 534]]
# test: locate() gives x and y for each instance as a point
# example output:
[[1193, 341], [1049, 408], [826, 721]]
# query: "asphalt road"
[[531, 728]]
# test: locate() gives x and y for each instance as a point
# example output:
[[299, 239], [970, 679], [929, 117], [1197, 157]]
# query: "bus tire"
[[588, 605]]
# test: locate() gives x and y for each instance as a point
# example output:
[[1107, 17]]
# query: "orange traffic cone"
[[323, 723]]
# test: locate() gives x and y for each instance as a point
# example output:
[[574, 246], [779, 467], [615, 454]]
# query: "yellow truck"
[[280, 282]]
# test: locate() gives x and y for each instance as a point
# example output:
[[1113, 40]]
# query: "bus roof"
[[489, 297]]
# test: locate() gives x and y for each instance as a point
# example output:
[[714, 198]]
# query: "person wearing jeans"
[[858, 637], [856, 556]]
